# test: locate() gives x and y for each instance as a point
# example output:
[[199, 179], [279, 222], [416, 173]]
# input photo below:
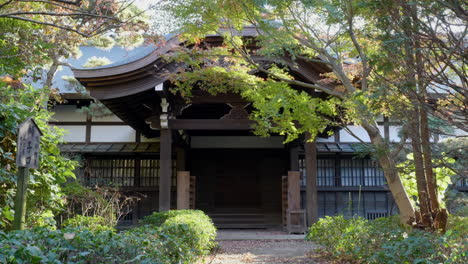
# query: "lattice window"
[[149, 172], [124, 172], [375, 215], [361, 172], [373, 174], [345, 171], [326, 172], [351, 172], [370, 205]]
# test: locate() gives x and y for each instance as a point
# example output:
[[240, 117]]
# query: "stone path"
[[263, 251]]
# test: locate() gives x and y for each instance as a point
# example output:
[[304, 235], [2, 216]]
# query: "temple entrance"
[[239, 188]]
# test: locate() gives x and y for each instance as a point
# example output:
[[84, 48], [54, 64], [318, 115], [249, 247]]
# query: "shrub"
[[158, 218], [180, 239], [93, 223], [458, 225], [107, 202], [187, 234], [70, 245], [385, 240]]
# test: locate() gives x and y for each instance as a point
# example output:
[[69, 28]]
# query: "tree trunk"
[[407, 213], [427, 154], [421, 181]]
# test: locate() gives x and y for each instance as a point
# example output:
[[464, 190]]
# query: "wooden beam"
[[311, 182], [165, 170], [210, 124], [183, 190]]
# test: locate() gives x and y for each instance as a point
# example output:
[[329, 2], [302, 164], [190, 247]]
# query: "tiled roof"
[[110, 148], [334, 147], [154, 147]]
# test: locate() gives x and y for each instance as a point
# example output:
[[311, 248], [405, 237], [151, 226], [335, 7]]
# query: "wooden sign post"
[[27, 156]]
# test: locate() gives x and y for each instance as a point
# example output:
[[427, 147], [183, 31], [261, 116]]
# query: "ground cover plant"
[[385, 240], [181, 238]]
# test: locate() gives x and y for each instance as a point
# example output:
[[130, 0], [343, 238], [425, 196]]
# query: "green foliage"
[[76, 246], [103, 202], [385, 240], [182, 238], [194, 235], [158, 218], [45, 198], [278, 106], [95, 62], [187, 234], [443, 176], [93, 223]]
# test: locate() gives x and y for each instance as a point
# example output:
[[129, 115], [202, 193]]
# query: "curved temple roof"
[[127, 87]]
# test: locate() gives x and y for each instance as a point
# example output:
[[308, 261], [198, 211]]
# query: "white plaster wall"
[[74, 133], [394, 131], [112, 134], [358, 131], [110, 118], [67, 113]]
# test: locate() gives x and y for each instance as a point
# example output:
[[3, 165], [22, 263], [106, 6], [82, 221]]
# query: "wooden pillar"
[[294, 190], [294, 158], [165, 169], [183, 190], [311, 182]]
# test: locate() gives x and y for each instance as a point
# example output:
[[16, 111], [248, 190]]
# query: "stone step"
[[242, 226]]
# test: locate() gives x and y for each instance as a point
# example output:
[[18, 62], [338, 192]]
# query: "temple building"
[[204, 155]]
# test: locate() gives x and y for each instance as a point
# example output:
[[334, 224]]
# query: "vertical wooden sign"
[[27, 156]]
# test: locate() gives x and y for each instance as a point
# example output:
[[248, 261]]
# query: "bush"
[[385, 240], [158, 218], [71, 245], [181, 238], [187, 234], [93, 223], [107, 202]]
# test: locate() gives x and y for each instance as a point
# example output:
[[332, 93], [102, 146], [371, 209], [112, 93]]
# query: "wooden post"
[[284, 200], [294, 190], [296, 222], [165, 163], [183, 190], [27, 156], [20, 201], [294, 158], [311, 182]]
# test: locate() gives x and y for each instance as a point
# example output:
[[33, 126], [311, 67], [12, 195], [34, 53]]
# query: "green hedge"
[[385, 240], [158, 218], [181, 238], [188, 234]]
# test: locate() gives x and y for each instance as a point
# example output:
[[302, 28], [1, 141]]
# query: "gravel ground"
[[264, 251]]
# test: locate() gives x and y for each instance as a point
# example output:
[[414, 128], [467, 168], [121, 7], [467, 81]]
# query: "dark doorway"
[[241, 187]]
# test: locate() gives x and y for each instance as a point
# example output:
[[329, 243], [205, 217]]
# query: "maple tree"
[[373, 51]]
